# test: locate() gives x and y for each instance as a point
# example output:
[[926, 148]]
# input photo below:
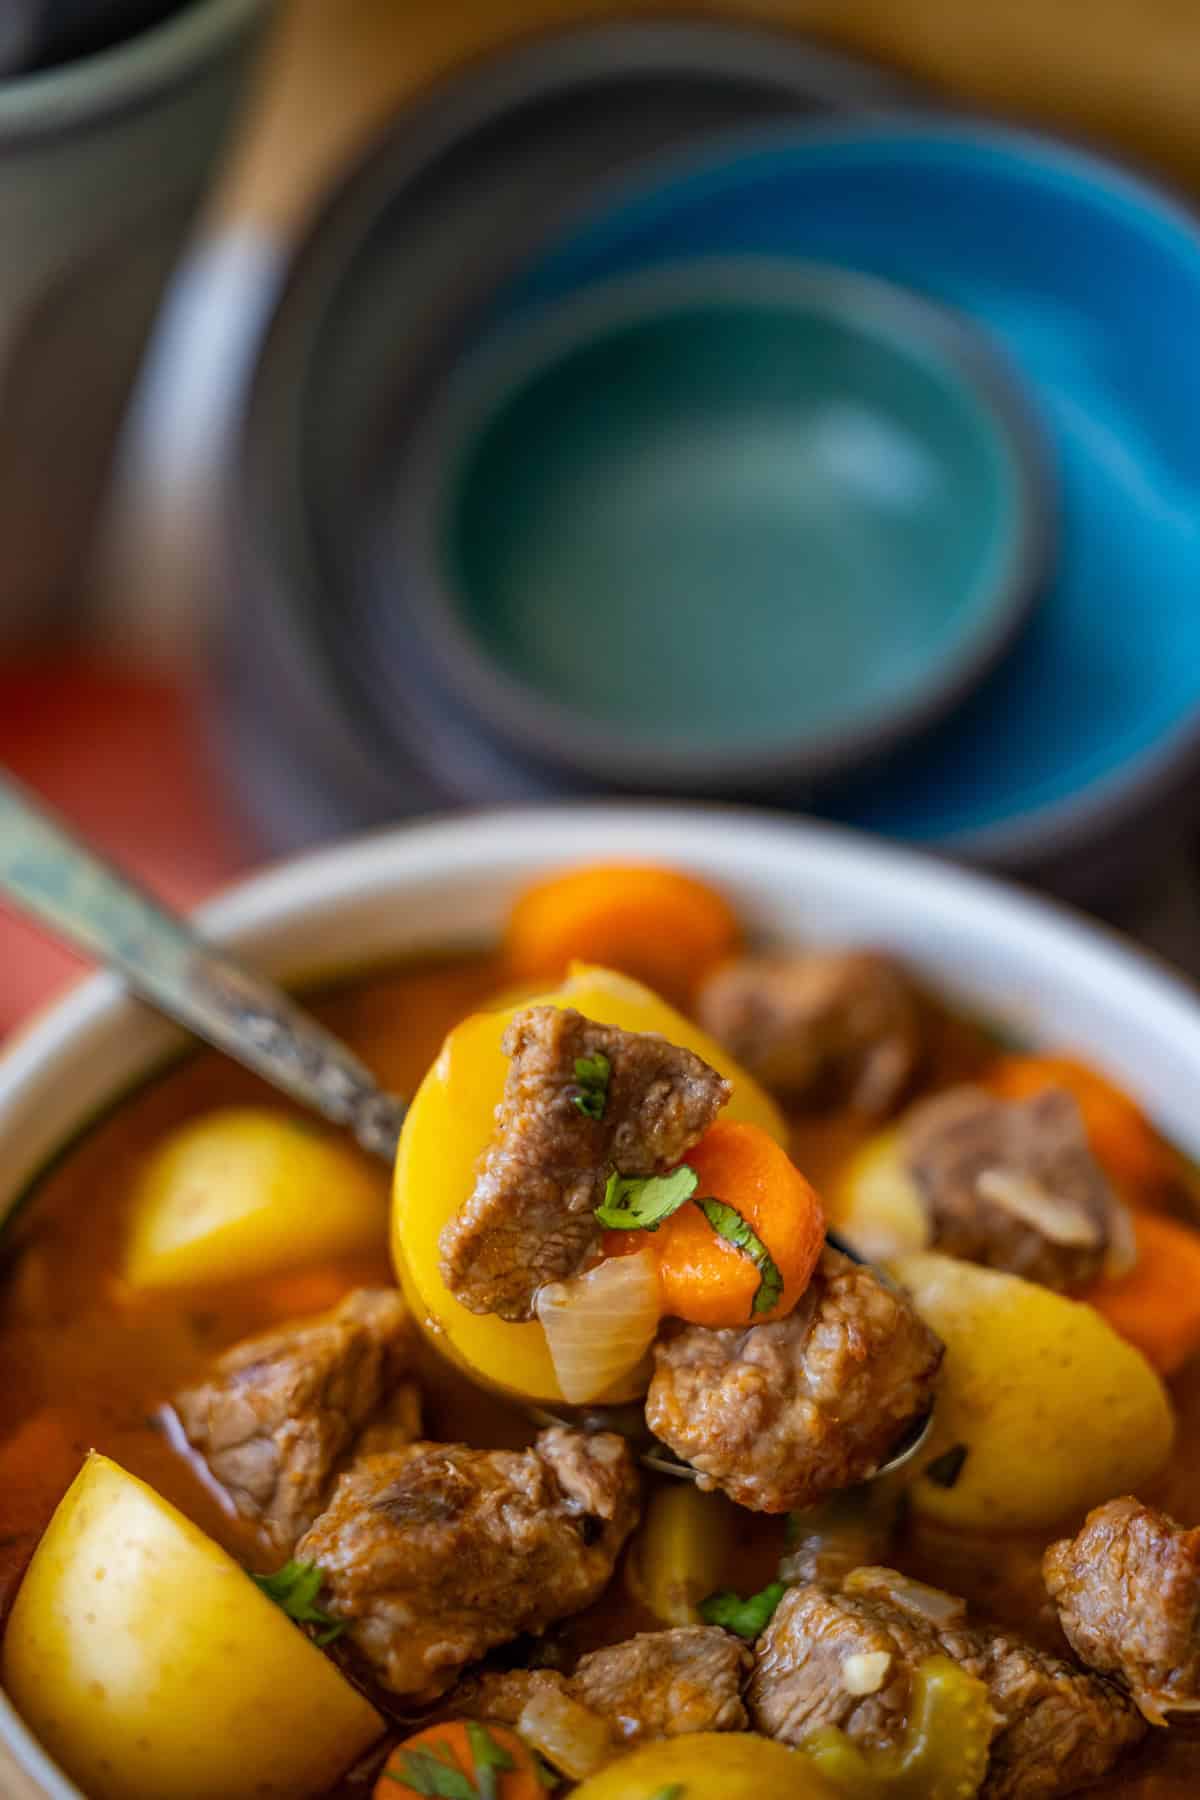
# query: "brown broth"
[[88, 1363]]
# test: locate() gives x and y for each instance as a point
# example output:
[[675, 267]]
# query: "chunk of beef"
[[659, 1684], [436, 1553], [530, 1218], [778, 1415], [1127, 1589], [824, 1026], [847, 1657], [279, 1411], [1013, 1184]]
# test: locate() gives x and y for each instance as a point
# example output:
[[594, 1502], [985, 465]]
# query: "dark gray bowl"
[[327, 708]]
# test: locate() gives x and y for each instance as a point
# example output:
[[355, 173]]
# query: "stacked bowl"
[[678, 409]]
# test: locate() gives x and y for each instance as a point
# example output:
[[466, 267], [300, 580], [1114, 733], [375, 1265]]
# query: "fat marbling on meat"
[[1013, 1184]]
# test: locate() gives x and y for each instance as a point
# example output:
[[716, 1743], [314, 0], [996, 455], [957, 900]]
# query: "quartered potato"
[[247, 1191], [709, 1766], [152, 1668], [1042, 1407], [875, 1203], [449, 1126]]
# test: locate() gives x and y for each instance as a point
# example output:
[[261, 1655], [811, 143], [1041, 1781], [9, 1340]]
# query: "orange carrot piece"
[[707, 1280], [1123, 1139], [1157, 1305], [665, 928], [452, 1741]]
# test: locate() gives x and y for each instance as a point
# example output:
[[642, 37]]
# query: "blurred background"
[[784, 401]]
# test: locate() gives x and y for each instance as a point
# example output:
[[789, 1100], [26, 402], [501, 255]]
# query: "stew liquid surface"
[[88, 1362]]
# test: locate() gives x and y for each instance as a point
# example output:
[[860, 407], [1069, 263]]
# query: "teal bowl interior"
[[734, 518]]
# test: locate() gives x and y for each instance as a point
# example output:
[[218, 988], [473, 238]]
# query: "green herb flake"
[[945, 1469], [592, 1074], [729, 1224], [488, 1757], [747, 1617], [674, 1790], [424, 1772], [294, 1588], [637, 1203]]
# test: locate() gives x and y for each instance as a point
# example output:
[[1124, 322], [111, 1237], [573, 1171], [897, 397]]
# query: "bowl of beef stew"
[[763, 1138]]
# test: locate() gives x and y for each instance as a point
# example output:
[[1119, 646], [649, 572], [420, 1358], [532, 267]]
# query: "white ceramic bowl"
[[1024, 963]]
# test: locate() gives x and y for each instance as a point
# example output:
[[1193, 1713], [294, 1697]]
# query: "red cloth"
[[122, 758]]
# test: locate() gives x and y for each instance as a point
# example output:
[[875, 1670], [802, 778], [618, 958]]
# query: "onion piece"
[[572, 1738], [916, 1598], [1122, 1242], [1059, 1221], [599, 1326]]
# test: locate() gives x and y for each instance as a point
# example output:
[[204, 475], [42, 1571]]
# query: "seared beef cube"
[[830, 1657], [530, 1219], [436, 1553], [847, 1658], [666, 1683], [778, 1415], [1013, 1184], [280, 1410], [822, 1027], [659, 1684], [1127, 1589]]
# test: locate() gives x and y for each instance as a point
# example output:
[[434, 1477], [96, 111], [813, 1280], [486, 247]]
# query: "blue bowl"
[[1090, 280], [723, 526]]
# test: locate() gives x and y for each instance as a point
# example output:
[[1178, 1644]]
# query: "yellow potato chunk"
[[449, 1126], [711, 1765], [246, 1191], [1054, 1411], [678, 1554], [875, 1203], [152, 1668]]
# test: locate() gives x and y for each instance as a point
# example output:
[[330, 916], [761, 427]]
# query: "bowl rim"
[[1152, 1014], [1157, 778], [949, 348], [125, 77]]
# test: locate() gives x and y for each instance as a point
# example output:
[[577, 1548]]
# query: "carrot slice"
[[704, 1278], [1157, 1305], [665, 928], [1123, 1139], [468, 1747]]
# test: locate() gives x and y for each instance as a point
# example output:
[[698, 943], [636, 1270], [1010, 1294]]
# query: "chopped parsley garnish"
[[427, 1772], [295, 1588], [945, 1469], [674, 1790], [488, 1756], [641, 1203], [434, 1769], [747, 1617], [729, 1224], [592, 1073]]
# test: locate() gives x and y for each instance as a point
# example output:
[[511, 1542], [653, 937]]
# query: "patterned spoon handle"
[[48, 873]]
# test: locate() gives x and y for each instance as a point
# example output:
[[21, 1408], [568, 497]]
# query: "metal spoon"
[[63, 884]]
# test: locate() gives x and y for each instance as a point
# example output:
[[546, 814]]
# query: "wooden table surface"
[[1123, 72]]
